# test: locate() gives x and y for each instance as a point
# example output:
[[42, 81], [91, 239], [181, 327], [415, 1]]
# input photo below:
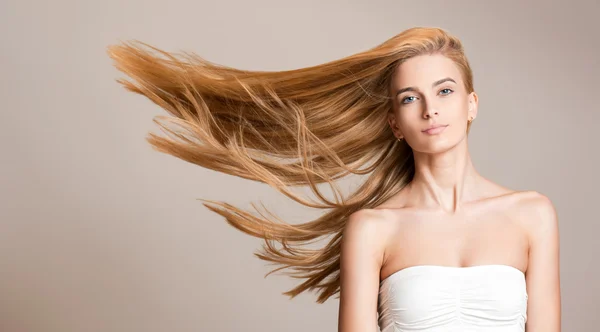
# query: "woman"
[[425, 243]]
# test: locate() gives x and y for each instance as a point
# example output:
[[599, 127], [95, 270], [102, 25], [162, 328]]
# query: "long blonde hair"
[[306, 126]]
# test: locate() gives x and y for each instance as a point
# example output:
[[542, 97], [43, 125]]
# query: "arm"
[[360, 261], [543, 280]]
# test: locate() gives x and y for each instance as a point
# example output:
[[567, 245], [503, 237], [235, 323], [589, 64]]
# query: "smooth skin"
[[449, 214]]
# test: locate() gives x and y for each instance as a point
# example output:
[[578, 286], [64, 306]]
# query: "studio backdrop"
[[101, 233]]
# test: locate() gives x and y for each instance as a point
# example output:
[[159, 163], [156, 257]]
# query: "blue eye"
[[403, 100]]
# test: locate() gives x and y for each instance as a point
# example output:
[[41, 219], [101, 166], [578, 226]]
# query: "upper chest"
[[477, 236], [462, 228]]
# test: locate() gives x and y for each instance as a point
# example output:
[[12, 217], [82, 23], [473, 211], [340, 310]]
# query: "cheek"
[[410, 121], [457, 110], [410, 114]]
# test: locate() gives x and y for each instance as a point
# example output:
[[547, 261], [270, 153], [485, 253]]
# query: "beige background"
[[98, 232]]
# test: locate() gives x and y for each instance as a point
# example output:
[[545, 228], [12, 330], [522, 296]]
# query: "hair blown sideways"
[[301, 127]]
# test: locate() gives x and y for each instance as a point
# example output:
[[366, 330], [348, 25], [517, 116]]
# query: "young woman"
[[425, 243]]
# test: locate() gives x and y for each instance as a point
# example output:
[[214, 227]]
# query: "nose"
[[430, 112]]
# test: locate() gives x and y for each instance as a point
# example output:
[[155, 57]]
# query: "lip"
[[435, 129]]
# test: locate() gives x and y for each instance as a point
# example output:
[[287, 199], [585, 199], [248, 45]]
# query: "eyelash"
[[403, 99]]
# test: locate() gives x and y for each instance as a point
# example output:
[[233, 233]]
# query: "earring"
[[400, 139], [470, 120]]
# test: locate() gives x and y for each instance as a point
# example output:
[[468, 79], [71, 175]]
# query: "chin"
[[437, 146]]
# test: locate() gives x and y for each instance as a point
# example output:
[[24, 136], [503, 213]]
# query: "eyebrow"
[[438, 82]]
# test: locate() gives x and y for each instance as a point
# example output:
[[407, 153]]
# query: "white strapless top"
[[433, 298]]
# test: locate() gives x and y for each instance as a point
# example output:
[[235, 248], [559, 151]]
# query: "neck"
[[445, 180]]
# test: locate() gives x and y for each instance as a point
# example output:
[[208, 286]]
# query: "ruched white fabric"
[[434, 298]]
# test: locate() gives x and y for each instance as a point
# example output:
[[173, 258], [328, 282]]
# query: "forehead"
[[422, 70]]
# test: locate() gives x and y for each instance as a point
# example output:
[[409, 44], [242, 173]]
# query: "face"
[[428, 91]]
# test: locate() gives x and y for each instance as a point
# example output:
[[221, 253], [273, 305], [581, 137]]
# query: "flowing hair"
[[299, 127]]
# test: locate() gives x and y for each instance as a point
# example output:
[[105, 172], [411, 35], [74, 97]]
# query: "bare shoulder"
[[366, 229], [536, 212], [535, 204], [365, 223], [361, 257]]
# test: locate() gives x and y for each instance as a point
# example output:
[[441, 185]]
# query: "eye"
[[404, 99], [443, 92]]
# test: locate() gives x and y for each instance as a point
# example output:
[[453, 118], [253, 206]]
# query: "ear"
[[473, 105], [392, 121]]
